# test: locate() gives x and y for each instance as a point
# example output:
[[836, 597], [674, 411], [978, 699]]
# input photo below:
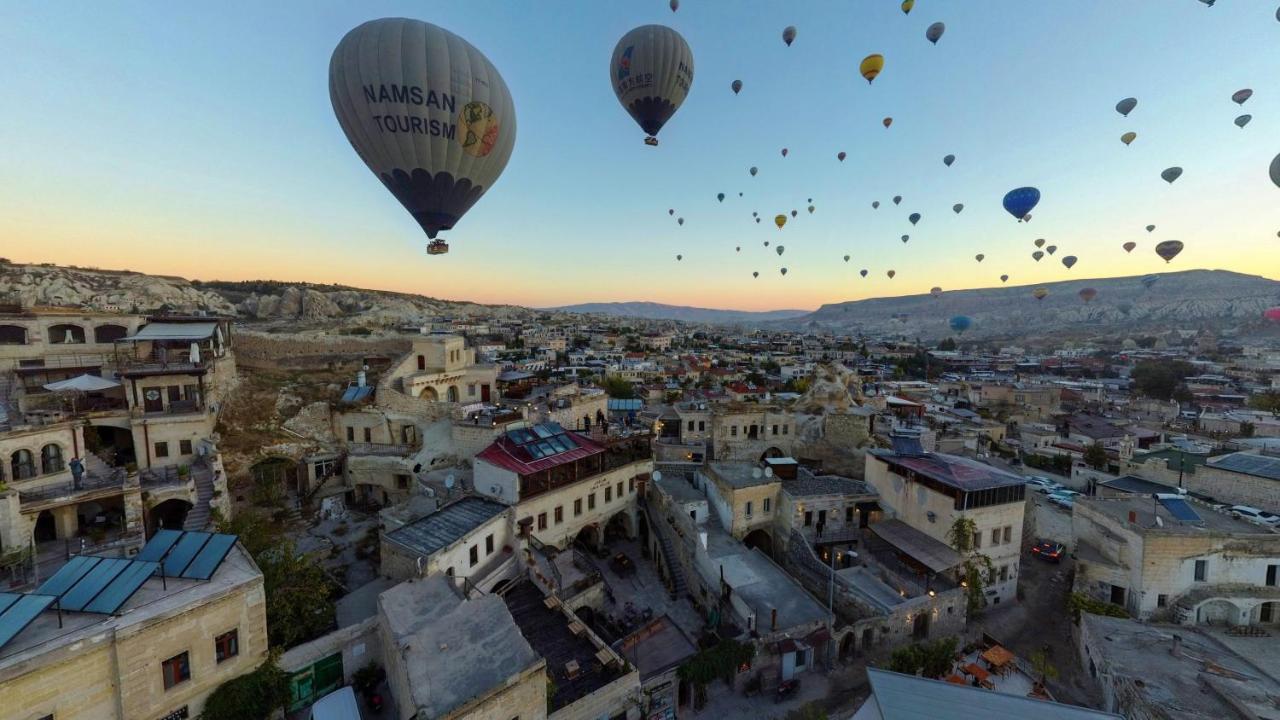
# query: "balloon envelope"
[[871, 66], [651, 71], [897, 199], [780, 249], [789, 35], [1020, 201], [1169, 249], [1239, 96], [840, 156], [427, 112], [960, 323], [675, 5], [846, 258], [1051, 249], [720, 197], [1150, 228], [780, 220], [784, 271], [1040, 293], [906, 238], [948, 160], [784, 152], [1037, 255], [736, 85], [1039, 242], [862, 272], [1275, 170], [907, 5], [1088, 294], [979, 257], [1126, 106], [934, 32], [887, 121], [1069, 261], [755, 273], [1004, 278], [1171, 174], [875, 204], [1129, 246], [1128, 137], [680, 221], [935, 291], [891, 273], [754, 170], [957, 207], [1243, 120], [914, 218]]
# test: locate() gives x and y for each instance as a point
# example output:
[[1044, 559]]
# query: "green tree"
[[618, 387], [252, 696], [1095, 456], [1268, 401], [947, 344], [930, 659], [1247, 429], [1043, 666], [977, 567], [1162, 379]]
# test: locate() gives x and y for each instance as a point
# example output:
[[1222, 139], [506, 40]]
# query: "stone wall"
[[257, 349], [359, 644], [1227, 487]]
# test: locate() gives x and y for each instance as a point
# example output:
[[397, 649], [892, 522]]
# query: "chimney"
[[773, 619], [360, 378], [1176, 650]]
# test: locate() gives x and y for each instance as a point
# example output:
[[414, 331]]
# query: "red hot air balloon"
[[1272, 314]]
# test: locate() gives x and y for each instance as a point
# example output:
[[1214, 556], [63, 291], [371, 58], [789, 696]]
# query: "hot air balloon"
[[1240, 96], [871, 66], [651, 71], [754, 170], [907, 5], [780, 249], [766, 243], [1126, 106], [887, 121], [846, 258], [906, 238], [1169, 249], [891, 273], [755, 273], [1272, 314], [960, 323], [1087, 294], [1243, 120], [794, 213], [1004, 278], [1039, 242], [1275, 170], [1019, 201], [948, 160], [1069, 261], [675, 5], [736, 86], [789, 35], [1040, 293], [1171, 174], [720, 197], [427, 112], [679, 257], [810, 209], [784, 271], [680, 221], [1051, 249], [739, 194], [863, 272], [1151, 228], [897, 199], [934, 33], [809, 200], [840, 156], [875, 204], [936, 292], [914, 218], [757, 221], [780, 220], [1129, 246], [957, 208], [1128, 137], [979, 257], [671, 211], [1037, 255], [1149, 280], [784, 152], [738, 249]]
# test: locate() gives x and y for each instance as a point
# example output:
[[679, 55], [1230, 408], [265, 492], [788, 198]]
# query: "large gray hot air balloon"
[[1240, 96], [957, 207], [1037, 255], [1275, 170], [780, 249], [934, 33], [1169, 249], [651, 71], [754, 170], [1126, 106], [1069, 261], [789, 35], [1171, 174], [948, 160], [427, 112], [1243, 120]]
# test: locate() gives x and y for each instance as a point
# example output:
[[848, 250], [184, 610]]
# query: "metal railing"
[[89, 483], [371, 448]]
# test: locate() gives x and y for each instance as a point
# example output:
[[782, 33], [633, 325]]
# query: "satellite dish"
[[768, 472], [657, 475], [755, 472], [449, 481]]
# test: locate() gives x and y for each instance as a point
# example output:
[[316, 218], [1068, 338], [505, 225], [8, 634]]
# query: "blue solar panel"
[[20, 614], [158, 545], [93, 583], [118, 592], [182, 553], [544, 431], [207, 561], [7, 599], [1179, 508], [68, 575]]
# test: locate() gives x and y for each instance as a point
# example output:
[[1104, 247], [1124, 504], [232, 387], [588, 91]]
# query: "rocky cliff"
[[104, 290]]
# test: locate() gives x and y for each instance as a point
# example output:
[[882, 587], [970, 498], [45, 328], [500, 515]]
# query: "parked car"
[[1043, 485], [1066, 491], [1048, 550], [1255, 516], [1063, 501]]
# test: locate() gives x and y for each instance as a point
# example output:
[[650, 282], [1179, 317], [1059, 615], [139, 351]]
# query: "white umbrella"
[[82, 383]]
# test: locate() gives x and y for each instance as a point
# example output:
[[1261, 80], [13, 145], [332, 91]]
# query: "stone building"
[[441, 368], [1242, 478]]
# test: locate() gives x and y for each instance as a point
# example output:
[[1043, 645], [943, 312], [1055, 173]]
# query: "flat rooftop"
[[1146, 510], [680, 490], [761, 584], [446, 526], [1189, 684], [454, 651], [656, 647], [739, 475], [154, 600], [807, 484], [1248, 463], [895, 696], [953, 470]]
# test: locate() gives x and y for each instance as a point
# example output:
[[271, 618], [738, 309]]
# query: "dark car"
[[1048, 550]]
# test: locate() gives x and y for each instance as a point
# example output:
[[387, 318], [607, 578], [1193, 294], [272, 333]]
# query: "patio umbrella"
[[82, 383]]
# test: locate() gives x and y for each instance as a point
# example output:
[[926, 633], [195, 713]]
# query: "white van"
[[337, 705]]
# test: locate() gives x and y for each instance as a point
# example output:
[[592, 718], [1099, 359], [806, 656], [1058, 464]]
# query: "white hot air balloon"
[[651, 72], [427, 112]]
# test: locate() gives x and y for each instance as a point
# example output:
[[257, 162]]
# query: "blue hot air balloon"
[[960, 323], [1020, 201]]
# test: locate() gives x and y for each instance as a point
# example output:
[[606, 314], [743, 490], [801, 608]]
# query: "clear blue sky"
[[199, 140]]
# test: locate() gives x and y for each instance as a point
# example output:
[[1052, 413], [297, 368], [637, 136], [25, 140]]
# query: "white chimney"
[[360, 378]]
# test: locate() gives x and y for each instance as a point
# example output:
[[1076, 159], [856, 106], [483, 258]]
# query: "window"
[[402, 482], [351, 434], [748, 508], [1008, 534], [808, 518], [51, 459], [702, 426], [475, 555], [1202, 570], [631, 485], [175, 670], [559, 515], [977, 540], [785, 428], [324, 468], [767, 505], [1272, 571], [1162, 601], [542, 521], [1004, 573], [618, 491], [608, 493], [733, 430], [488, 544], [226, 645], [577, 507], [368, 435], [591, 501], [162, 449], [690, 426], [775, 429], [184, 447], [995, 536], [471, 390], [848, 514]]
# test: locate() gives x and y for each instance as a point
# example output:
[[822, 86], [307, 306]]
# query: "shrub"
[[253, 696]]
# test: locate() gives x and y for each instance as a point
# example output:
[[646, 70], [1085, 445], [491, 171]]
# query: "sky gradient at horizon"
[[199, 141]]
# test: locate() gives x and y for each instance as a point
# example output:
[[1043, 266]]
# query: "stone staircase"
[[198, 516], [679, 588]]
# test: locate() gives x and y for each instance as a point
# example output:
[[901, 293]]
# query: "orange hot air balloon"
[[871, 66]]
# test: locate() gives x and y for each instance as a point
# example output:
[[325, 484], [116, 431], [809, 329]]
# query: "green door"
[[315, 681]]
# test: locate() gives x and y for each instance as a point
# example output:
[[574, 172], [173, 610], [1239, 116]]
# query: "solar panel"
[[7, 599], [546, 449], [20, 614], [534, 450], [68, 575], [93, 583], [158, 545], [1179, 508], [206, 562], [182, 553], [543, 431], [118, 592]]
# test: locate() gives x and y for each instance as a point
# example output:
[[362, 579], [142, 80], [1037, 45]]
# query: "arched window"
[[109, 333], [51, 459], [22, 465], [65, 334], [13, 335], [453, 393]]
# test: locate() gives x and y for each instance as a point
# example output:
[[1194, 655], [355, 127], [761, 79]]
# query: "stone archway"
[[429, 394], [759, 538], [1217, 611], [46, 528], [589, 536], [772, 452], [170, 515], [619, 525], [848, 647]]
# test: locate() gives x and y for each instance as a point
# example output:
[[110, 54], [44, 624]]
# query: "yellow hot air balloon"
[[1039, 293], [1128, 137], [871, 66], [780, 221], [907, 5]]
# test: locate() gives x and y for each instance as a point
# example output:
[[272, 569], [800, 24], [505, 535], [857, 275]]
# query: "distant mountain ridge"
[[684, 313]]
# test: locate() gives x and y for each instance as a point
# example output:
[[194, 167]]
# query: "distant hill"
[[658, 311], [1194, 299]]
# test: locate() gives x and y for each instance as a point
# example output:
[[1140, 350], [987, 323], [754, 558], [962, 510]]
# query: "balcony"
[[173, 407], [90, 485], [381, 449]]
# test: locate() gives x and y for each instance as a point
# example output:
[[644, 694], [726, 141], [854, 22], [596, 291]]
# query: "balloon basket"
[[651, 141], [437, 247]]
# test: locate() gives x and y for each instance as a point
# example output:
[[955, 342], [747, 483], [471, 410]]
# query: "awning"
[[82, 383], [175, 331], [933, 554]]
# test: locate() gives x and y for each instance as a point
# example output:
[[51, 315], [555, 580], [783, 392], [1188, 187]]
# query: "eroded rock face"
[[104, 290]]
